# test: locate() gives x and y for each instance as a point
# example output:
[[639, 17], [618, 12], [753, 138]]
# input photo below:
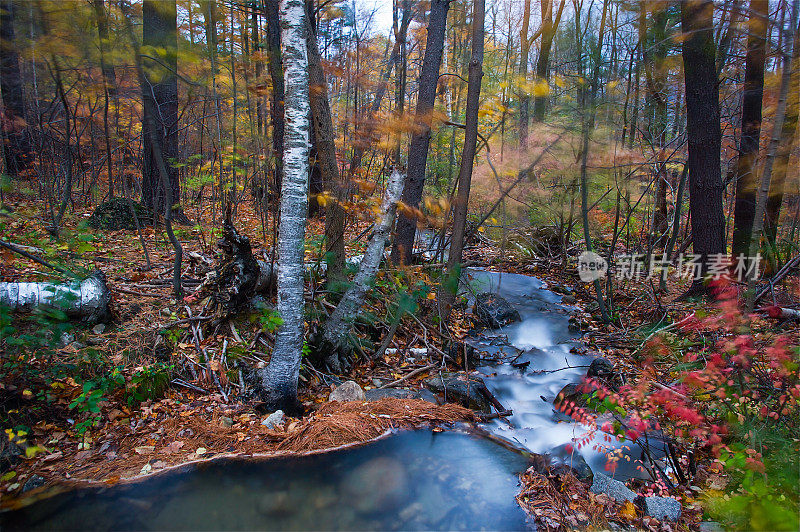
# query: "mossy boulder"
[[117, 213]]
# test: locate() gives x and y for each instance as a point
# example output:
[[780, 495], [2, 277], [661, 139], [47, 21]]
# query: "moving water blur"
[[541, 338]]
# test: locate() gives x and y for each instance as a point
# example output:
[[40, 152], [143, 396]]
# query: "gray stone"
[[273, 420], [400, 393], [10, 454], [603, 370], [380, 485], [662, 508], [226, 422], [560, 289], [613, 488], [65, 339], [569, 300], [34, 482], [99, 328], [600, 368], [493, 311], [348, 391], [467, 390]]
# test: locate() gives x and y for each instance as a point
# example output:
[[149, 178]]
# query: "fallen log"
[[782, 313], [87, 299]]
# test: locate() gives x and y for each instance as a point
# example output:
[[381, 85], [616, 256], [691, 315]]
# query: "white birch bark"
[[279, 378], [87, 299], [337, 325]]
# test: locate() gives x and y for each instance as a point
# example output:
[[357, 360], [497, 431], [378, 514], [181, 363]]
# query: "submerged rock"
[[348, 391], [380, 485], [493, 311], [467, 390]]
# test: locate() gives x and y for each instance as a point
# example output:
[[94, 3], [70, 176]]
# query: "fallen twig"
[[409, 375]]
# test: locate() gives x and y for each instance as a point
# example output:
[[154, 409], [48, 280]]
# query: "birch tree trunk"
[[332, 345], [279, 378]]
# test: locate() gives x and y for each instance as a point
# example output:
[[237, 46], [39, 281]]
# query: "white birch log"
[[279, 378], [337, 326], [86, 299]]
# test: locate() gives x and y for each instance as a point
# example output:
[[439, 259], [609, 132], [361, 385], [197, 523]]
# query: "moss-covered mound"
[[117, 214]]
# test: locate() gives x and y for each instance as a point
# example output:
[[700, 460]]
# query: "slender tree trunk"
[[461, 203], [160, 96], [744, 208], [326, 155], [524, 97], [777, 185], [275, 66], [549, 28], [727, 37], [703, 131], [772, 150], [418, 151], [109, 85], [279, 378], [259, 66], [16, 142], [587, 124], [332, 346]]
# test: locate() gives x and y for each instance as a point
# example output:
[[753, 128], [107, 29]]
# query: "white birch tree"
[[332, 344], [279, 378]]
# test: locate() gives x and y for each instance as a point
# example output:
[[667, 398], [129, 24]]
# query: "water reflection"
[[410, 481]]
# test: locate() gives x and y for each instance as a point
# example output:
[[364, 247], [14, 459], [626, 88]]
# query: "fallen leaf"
[[173, 447], [627, 511], [144, 449]]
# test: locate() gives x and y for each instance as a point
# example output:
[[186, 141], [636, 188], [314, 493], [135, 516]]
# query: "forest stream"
[[412, 480]]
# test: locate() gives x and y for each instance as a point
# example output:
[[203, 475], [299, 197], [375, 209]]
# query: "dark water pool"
[[409, 481]]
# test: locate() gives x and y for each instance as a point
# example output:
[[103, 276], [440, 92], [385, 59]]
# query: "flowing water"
[[541, 338], [412, 480]]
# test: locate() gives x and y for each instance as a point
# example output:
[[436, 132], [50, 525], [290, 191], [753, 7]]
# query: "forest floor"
[[200, 417]]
